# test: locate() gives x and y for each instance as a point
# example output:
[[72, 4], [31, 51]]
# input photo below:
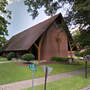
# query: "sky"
[[21, 19]]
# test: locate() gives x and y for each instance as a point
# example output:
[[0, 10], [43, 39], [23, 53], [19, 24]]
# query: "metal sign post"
[[32, 80], [33, 68], [86, 69], [86, 59], [47, 72], [45, 78]]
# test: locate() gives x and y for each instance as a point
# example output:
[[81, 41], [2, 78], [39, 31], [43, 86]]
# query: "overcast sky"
[[21, 19]]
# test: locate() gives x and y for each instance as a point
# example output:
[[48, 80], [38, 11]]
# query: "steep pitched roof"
[[25, 39]]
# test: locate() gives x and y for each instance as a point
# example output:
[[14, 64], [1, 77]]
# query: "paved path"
[[86, 88], [28, 83]]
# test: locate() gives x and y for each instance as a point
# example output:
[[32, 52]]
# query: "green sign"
[[33, 67]]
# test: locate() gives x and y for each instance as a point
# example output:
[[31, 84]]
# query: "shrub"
[[3, 58], [87, 52], [28, 57], [11, 55], [59, 59]]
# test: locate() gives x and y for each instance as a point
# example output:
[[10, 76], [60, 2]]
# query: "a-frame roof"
[[25, 39]]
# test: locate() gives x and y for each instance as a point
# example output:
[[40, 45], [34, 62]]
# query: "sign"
[[70, 60], [47, 71], [33, 68], [86, 58]]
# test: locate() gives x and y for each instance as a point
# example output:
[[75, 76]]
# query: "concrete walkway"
[[86, 88], [28, 83]]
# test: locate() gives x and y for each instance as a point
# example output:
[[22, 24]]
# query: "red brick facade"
[[54, 44]]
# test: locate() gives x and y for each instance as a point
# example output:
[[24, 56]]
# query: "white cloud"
[[12, 1]]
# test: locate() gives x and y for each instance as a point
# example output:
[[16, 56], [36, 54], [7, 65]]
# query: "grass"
[[3, 59], [71, 83], [10, 72], [76, 57], [61, 68]]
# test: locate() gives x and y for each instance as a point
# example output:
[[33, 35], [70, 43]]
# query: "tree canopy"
[[3, 21], [80, 13], [81, 38], [51, 6]]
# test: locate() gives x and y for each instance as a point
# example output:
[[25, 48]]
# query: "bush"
[[28, 57], [59, 59], [87, 52], [11, 55]]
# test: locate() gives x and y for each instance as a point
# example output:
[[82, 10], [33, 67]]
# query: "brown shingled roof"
[[25, 39]]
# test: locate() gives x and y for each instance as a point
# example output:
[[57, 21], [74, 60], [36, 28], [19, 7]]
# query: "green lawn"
[[3, 59], [10, 72], [72, 83]]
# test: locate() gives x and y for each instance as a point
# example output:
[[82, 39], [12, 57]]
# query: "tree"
[[82, 38], [51, 6], [80, 13], [3, 22]]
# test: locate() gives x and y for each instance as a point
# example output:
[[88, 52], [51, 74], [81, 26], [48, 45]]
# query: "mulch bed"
[[23, 63], [51, 62], [54, 62], [43, 63]]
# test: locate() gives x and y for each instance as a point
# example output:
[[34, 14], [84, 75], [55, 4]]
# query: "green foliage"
[[3, 59], [59, 59], [82, 38], [50, 6], [3, 21], [3, 9], [11, 55], [28, 57], [87, 52], [78, 15]]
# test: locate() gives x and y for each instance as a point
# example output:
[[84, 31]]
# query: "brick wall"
[[54, 44]]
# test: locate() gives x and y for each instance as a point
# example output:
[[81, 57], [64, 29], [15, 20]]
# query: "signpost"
[[33, 68], [47, 71], [86, 59], [45, 78]]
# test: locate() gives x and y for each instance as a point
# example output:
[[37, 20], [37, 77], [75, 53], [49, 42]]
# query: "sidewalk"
[[28, 83], [86, 88]]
